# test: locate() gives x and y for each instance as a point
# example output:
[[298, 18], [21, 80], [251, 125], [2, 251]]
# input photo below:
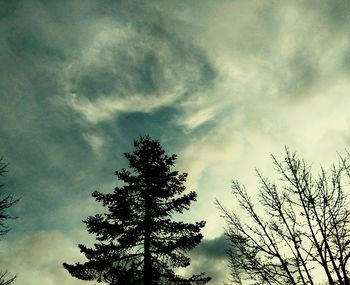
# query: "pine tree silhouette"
[[138, 241]]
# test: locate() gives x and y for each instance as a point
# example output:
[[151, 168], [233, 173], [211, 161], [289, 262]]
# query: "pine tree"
[[138, 241]]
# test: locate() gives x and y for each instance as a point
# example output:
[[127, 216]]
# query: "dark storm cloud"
[[212, 248], [210, 257]]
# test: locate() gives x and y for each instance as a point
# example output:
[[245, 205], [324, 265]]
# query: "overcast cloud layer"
[[221, 83]]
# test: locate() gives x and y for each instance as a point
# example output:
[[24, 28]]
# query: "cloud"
[[278, 49], [38, 257], [95, 142], [210, 257], [212, 248], [105, 108], [134, 69], [118, 59], [197, 119], [270, 64]]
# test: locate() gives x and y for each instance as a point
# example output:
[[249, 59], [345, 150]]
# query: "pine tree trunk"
[[147, 271]]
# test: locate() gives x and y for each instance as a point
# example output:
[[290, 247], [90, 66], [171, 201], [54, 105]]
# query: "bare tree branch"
[[5, 202], [304, 225]]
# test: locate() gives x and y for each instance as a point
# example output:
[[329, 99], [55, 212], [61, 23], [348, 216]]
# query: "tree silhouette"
[[301, 233], [5, 202], [138, 241]]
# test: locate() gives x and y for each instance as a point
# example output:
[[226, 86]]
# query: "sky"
[[222, 83]]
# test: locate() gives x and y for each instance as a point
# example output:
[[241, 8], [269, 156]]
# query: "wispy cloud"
[[106, 108]]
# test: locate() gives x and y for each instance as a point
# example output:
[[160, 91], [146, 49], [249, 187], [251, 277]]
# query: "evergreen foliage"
[[138, 241]]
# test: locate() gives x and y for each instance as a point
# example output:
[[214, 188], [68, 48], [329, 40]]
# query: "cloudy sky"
[[221, 83]]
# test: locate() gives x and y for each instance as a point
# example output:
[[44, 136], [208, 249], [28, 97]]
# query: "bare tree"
[[6, 202], [298, 233]]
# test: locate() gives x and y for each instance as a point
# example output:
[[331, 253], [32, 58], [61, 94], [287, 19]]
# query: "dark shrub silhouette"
[[138, 241]]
